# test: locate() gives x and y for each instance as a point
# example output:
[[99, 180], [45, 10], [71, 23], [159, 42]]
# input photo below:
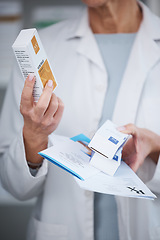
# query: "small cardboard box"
[[32, 58]]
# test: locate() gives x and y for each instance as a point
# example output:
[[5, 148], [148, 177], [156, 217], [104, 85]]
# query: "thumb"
[[128, 129]]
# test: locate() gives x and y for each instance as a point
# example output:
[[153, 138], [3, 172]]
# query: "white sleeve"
[[14, 171]]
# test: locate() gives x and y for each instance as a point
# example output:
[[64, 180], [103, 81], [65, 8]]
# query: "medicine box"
[[107, 143], [32, 58]]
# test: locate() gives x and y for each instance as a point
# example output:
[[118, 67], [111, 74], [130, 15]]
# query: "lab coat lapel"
[[89, 49], [87, 45], [144, 55], [95, 72]]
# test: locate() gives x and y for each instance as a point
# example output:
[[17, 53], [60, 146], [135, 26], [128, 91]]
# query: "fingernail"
[[50, 83], [30, 77], [121, 128]]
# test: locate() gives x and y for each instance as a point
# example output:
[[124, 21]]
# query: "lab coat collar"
[[80, 26], [144, 56], [87, 46], [150, 22]]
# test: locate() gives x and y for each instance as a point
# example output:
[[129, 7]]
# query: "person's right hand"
[[40, 119]]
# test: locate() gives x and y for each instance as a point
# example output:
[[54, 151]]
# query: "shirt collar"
[[80, 26]]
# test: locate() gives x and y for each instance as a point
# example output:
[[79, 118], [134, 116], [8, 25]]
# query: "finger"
[[44, 99], [26, 97], [128, 129], [54, 113], [59, 113], [53, 107]]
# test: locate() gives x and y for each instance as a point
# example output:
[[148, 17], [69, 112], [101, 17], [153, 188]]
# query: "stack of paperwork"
[[96, 165]]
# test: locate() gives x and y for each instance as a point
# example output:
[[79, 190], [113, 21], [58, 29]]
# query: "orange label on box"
[[46, 74], [35, 44]]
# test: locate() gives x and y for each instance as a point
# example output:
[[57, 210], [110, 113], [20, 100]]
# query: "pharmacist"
[[107, 64]]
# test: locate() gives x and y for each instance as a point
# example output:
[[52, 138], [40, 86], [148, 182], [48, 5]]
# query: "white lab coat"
[[63, 210]]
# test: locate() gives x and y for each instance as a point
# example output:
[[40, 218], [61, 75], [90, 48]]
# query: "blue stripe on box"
[[113, 140]]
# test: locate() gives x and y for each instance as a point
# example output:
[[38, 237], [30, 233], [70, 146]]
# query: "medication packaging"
[[32, 58], [107, 144]]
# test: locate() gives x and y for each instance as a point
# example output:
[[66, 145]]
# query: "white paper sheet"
[[71, 156], [124, 183], [75, 158]]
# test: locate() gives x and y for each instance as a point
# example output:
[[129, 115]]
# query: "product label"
[[35, 44], [46, 74], [26, 67], [24, 62]]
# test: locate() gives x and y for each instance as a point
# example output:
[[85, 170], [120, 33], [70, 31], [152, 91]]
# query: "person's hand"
[[40, 119], [141, 144]]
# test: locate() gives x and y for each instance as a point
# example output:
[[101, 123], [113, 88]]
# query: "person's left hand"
[[141, 144]]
